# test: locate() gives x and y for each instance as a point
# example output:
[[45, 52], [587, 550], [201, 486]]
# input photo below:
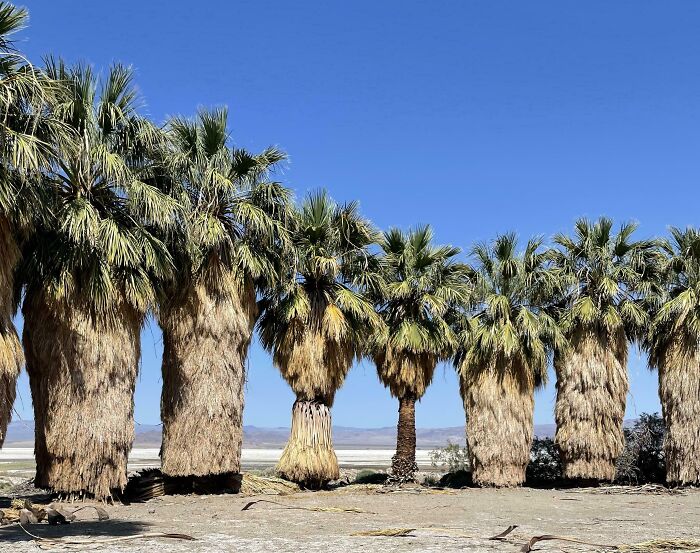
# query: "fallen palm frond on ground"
[[652, 489], [25, 512], [449, 532], [263, 485], [250, 505], [651, 546], [152, 483]]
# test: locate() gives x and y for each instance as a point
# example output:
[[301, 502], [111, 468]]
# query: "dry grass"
[[309, 457], [592, 386], [679, 390], [263, 485], [205, 345], [82, 375], [499, 403], [11, 358]]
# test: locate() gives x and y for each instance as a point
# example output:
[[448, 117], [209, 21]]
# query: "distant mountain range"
[[21, 434]]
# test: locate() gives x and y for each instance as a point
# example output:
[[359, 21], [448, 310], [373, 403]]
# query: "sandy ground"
[[219, 524]]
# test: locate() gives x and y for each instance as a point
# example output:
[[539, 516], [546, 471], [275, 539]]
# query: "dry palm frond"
[[82, 373], [250, 504], [654, 546], [387, 532], [263, 485], [11, 357], [592, 385], [500, 407], [651, 489], [679, 390], [205, 345], [309, 456]]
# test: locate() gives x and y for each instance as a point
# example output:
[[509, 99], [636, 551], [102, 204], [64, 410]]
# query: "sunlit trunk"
[[309, 458], [592, 386], [11, 358], [82, 375], [499, 405], [205, 345], [403, 464], [679, 390]]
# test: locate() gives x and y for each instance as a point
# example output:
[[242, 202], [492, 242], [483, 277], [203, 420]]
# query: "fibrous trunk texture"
[[82, 374], [309, 458], [679, 390], [592, 386], [11, 358], [499, 406], [205, 345], [403, 464]]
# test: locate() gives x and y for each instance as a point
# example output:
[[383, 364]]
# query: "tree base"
[[589, 472], [402, 470], [309, 458]]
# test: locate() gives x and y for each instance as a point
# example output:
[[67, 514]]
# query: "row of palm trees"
[[106, 217]]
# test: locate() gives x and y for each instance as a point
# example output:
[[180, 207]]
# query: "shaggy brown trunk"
[[82, 375], [403, 464], [499, 407], [592, 388], [11, 358], [679, 390], [205, 345], [309, 458]]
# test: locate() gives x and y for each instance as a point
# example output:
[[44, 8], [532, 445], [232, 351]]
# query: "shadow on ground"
[[78, 529]]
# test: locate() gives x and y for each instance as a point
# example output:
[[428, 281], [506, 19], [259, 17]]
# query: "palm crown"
[[511, 329], [96, 246], [27, 129], [314, 324], [421, 284], [605, 276], [233, 221], [675, 306]]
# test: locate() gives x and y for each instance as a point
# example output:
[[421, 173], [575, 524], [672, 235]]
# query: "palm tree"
[[673, 343], [315, 326], [421, 283], [88, 272], [599, 313], [504, 355], [228, 244], [27, 134]]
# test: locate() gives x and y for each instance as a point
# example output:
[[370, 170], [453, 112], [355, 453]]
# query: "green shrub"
[[643, 459], [451, 458], [545, 463], [367, 476]]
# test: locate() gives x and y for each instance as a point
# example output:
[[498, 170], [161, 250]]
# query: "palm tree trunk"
[[679, 390], [11, 358], [82, 374], [309, 458], [592, 386], [499, 406], [206, 338], [403, 464]]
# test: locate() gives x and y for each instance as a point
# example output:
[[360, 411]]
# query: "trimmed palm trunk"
[[11, 358], [592, 386], [82, 374], [309, 457], [403, 463], [499, 406], [679, 390], [205, 345]]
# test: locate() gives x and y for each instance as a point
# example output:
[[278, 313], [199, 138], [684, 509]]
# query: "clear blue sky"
[[475, 116]]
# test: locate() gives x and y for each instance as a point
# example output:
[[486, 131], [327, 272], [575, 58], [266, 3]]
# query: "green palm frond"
[[510, 325], [97, 245], [608, 275]]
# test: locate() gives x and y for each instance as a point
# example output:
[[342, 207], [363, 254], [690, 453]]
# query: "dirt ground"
[[218, 523]]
